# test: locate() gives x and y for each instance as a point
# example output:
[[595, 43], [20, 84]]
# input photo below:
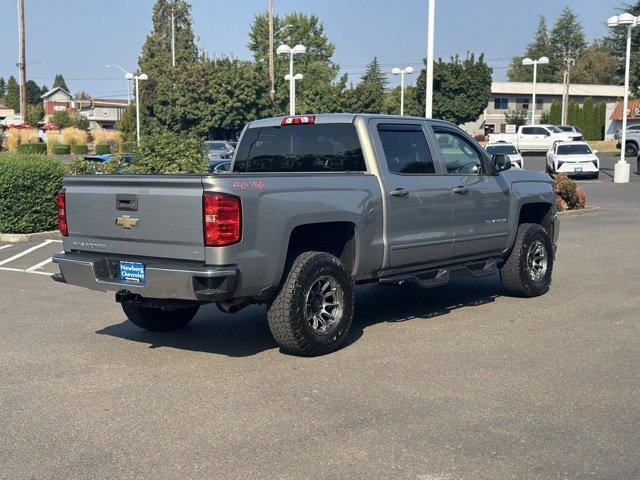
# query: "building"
[[511, 96], [5, 113], [100, 112], [614, 116]]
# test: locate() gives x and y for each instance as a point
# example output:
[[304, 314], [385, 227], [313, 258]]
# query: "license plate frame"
[[134, 272], [577, 169]]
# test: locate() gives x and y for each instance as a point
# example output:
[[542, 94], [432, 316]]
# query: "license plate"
[[577, 169], [132, 272]]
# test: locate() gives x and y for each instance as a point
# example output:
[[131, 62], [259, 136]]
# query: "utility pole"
[[22, 63], [173, 32], [568, 62], [272, 92]]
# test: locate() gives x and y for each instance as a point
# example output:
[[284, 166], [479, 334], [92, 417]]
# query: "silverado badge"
[[127, 222]]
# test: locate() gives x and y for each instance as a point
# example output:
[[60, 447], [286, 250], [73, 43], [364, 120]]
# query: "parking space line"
[[39, 265], [9, 269], [25, 252], [4, 246]]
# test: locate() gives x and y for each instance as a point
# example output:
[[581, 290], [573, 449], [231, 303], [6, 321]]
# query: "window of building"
[[405, 148], [522, 103], [500, 103]]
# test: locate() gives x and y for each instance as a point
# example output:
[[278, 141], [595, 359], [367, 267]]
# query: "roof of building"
[[525, 88], [633, 110], [55, 90], [102, 102]]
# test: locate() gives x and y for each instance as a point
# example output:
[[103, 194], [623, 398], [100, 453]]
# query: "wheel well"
[[632, 141], [540, 213], [336, 238]]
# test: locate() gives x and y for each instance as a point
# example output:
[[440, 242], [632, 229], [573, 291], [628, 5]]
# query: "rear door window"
[[330, 147], [405, 148]]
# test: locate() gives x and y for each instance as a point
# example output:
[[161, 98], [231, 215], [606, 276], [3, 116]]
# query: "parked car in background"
[[534, 138], [508, 149], [632, 140], [218, 150], [313, 205], [106, 157], [569, 128], [224, 166], [573, 158]]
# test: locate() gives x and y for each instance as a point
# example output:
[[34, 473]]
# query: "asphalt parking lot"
[[456, 382]]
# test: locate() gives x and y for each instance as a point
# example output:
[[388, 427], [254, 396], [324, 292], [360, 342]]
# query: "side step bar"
[[436, 277]]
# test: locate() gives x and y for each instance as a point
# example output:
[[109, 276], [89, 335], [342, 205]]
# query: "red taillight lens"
[[221, 218], [299, 120], [62, 214]]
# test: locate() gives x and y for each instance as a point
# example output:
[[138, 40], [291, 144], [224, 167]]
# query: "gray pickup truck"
[[312, 206]]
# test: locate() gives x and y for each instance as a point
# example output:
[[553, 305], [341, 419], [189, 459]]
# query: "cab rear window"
[[300, 148]]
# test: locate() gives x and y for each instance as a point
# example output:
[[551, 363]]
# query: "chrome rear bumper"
[[172, 280]]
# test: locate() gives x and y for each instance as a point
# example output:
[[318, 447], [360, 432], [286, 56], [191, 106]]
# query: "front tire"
[[631, 150], [527, 272], [313, 311], [157, 319]]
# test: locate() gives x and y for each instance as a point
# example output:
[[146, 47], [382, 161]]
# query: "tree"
[[58, 81], [369, 95], [555, 113], [539, 47], [61, 119], [3, 87], [515, 117], [127, 124], [35, 114], [321, 90], [595, 66], [12, 97], [411, 107], [33, 93], [615, 45], [461, 89], [566, 35]]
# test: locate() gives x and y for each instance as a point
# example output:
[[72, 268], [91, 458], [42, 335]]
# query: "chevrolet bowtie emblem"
[[127, 222]]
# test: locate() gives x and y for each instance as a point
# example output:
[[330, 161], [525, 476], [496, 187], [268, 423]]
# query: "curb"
[[579, 212], [26, 237]]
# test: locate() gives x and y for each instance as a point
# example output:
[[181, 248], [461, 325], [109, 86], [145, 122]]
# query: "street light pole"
[[272, 78], [137, 78], [128, 77], [22, 64], [402, 72], [173, 32], [428, 109], [541, 61], [287, 50]]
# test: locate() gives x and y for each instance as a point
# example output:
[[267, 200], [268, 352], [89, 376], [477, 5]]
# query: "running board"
[[441, 276]]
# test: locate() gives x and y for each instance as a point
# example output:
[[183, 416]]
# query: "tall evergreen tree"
[[566, 35], [595, 66], [369, 95], [539, 47], [58, 81], [3, 87], [33, 93], [12, 97]]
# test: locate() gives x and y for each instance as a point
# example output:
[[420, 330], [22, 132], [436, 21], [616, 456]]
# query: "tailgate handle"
[[127, 202]]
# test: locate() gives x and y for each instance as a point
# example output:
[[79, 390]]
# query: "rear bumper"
[[175, 280]]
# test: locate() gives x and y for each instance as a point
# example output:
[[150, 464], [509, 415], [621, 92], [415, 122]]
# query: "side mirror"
[[500, 162], [594, 151]]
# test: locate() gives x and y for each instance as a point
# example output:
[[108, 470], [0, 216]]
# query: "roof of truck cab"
[[338, 118]]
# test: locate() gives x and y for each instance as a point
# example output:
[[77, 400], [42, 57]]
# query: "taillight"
[[221, 219], [62, 214], [299, 120]]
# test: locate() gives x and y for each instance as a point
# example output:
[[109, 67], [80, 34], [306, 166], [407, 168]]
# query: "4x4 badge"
[[127, 222]]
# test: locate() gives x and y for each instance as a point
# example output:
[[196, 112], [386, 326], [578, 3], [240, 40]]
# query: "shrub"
[[102, 148], [51, 138], [102, 135], [74, 136], [79, 149], [30, 184], [170, 153], [62, 119], [128, 147], [13, 139], [569, 196], [20, 136], [33, 148], [61, 149]]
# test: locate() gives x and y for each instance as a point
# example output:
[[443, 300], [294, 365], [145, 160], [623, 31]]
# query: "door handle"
[[399, 192], [461, 189]]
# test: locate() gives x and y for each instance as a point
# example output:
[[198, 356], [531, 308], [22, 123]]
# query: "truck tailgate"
[[146, 216]]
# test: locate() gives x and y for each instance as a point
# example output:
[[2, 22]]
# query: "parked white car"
[[508, 149], [573, 158], [535, 138]]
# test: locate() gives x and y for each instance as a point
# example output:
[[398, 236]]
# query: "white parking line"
[[4, 246], [26, 252], [9, 269], [39, 265]]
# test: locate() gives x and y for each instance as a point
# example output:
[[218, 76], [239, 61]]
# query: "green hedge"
[[79, 149], [30, 185], [103, 148], [33, 148], [61, 149], [129, 147]]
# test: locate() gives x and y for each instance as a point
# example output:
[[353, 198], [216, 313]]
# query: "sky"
[[78, 38]]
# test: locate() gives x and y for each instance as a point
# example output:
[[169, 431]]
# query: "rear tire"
[[527, 272], [631, 150], [313, 311], [596, 175], [158, 319]]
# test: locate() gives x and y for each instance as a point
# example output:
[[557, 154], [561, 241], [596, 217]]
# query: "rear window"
[[300, 148], [502, 149]]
